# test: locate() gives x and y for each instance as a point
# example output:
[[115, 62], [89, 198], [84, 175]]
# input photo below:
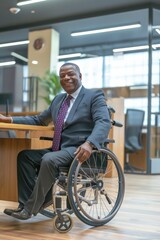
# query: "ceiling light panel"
[[16, 55], [127, 49], [158, 30], [9, 44], [73, 55], [7, 63], [104, 30], [21, 3]]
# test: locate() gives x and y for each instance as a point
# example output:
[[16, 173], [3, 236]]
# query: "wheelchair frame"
[[93, 190], [93, 193]]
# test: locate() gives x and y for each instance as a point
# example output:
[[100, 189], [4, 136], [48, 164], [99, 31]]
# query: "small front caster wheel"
[[63, 223]]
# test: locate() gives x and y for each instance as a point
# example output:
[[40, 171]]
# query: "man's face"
[[70, 78]]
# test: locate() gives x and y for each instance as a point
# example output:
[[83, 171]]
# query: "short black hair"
[[73, 64]]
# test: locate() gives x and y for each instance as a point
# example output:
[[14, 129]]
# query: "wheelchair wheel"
[[63, 223], [96, 187]]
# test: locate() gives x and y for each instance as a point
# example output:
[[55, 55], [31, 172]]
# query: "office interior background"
[[125, 63]]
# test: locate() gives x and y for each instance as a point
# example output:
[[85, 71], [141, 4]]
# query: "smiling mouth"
[[68, 84]]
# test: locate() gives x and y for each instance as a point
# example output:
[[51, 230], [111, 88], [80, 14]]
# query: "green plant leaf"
[[51, 84]]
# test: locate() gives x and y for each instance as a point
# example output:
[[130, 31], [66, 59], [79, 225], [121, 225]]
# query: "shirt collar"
[[75, 94]]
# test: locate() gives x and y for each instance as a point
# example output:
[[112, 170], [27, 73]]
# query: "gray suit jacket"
[[88, 119]]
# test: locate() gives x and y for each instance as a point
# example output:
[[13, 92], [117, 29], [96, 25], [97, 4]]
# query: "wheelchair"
[[92, 190]]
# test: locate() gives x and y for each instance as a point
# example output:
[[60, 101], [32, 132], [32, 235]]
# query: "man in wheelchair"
[[86, 123]]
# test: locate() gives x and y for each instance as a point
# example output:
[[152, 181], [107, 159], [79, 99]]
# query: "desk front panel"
[[9, 149]]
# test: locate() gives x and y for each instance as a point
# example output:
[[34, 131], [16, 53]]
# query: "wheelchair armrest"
[[116, 123], [108, 140], [46, 138]]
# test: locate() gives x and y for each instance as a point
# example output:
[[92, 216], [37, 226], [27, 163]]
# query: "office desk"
[[9, 149]]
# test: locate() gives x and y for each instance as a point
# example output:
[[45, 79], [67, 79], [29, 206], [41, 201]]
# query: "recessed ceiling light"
[[35, 62], [14, 10]]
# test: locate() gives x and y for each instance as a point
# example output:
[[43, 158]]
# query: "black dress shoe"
[[10, 211], [23, 215]]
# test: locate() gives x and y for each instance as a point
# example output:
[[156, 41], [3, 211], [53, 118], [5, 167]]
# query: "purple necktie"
[[59, 123]]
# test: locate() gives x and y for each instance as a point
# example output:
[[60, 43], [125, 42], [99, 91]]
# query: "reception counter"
[[9, 148]]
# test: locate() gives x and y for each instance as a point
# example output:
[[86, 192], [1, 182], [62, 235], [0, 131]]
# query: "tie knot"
[[69, 97]]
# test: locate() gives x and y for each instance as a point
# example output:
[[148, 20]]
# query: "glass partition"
[[131, 69], [155, 97]]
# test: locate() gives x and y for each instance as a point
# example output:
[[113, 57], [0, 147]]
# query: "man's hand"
[[5, 119], [83, 152]]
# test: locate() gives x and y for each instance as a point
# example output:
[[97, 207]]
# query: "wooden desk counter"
[[9, 148], [24, 127], [28, 130]]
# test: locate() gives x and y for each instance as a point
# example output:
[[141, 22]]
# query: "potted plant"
[[51, 84]]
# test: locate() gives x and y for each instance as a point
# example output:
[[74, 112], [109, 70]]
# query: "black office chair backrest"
[[133, 129]]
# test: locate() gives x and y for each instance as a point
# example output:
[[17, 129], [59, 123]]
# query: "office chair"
[[133, 132]]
